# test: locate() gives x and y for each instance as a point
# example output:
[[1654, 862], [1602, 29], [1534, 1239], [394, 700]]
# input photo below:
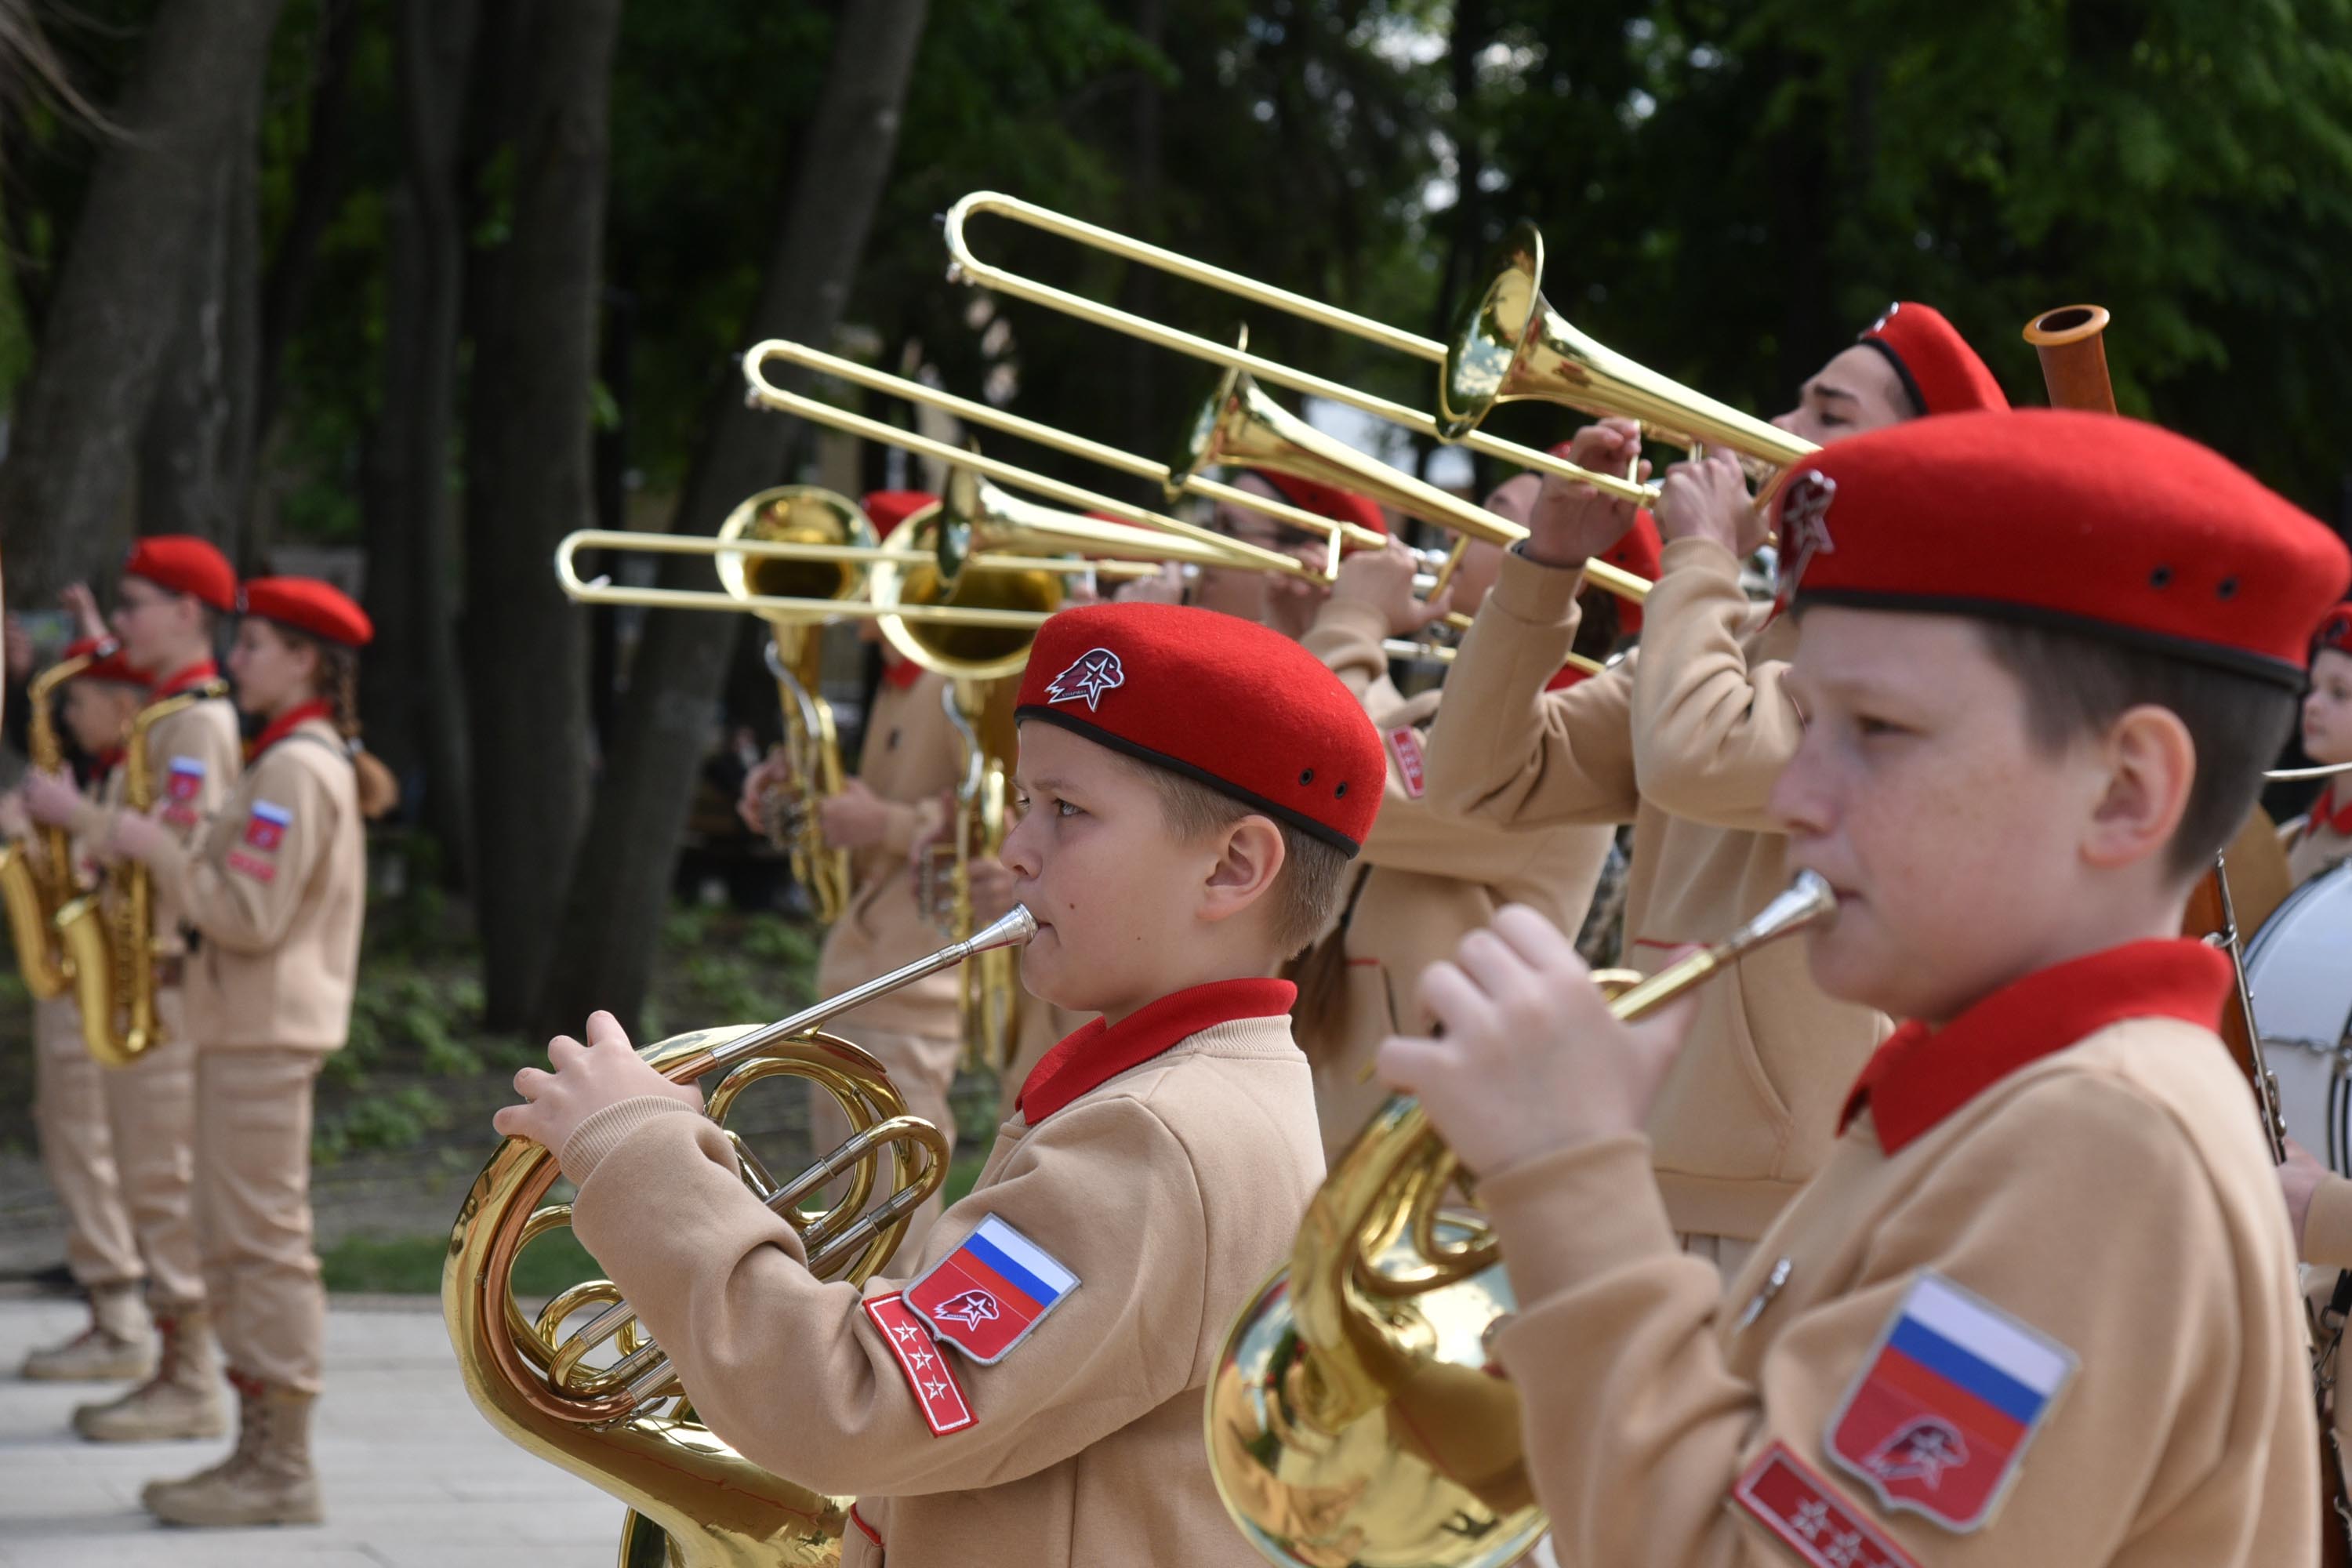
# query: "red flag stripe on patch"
[[937, 1393], [1808, 1516]]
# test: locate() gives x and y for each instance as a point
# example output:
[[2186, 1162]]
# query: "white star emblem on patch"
[[1095, 671]]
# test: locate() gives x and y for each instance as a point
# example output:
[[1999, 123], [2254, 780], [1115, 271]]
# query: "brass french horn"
[[1353, 1416], [624, 1427]]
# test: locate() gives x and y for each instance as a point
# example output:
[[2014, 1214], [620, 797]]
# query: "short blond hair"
[[1304, 892]]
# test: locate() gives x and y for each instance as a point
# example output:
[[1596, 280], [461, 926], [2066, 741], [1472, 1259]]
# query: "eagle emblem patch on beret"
[[1804, 528], [1094, 673]]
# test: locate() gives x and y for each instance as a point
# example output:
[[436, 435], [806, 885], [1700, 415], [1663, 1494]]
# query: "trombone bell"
[[1513, 346]]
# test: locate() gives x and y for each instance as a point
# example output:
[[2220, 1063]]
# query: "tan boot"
[[183, 1399], [267, 1480], [118, 1346]]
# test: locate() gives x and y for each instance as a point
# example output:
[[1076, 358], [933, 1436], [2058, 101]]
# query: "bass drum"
[[2297, 972]]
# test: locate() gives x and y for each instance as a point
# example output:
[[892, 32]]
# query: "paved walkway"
[[414, 1477]]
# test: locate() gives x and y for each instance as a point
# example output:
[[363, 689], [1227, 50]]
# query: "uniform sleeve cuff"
[[1347, 633], [1699, 554], [1564, 1217], [2328, 1228], [1534, 592], [91, 823], [609, 1128], [901, 823]]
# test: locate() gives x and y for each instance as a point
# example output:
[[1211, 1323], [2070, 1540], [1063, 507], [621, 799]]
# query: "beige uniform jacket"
[[276, 888], [1429, 879], [2114, 1196], [192, 757], [1171, 1191], [910, 755], [2327, 1229], [1684, 739]]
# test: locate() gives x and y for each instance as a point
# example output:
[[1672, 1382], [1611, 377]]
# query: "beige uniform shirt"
[[2114, 1196], [1428, 879], [192, 759], [1684, 739], [912, 754], [1171, 1191], [275, 886]]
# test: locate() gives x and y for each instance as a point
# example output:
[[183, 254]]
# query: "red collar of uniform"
[[286, 723], [1920, 1075], [1569, 676], [107, 761], [1098, 1052], [187, 680], [2326, 814], [901, 673]]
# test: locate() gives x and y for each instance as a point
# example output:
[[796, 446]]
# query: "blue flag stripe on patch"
[[1012, 1273], [1979, 1376]]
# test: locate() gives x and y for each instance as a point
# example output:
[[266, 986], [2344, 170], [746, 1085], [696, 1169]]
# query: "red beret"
[[1238, 707], [1328, 500], [106, 662], [1938, 369], [307, 604], [184, 564], [886, 509], [2335, 632], [2077, 520], [1642, 553]]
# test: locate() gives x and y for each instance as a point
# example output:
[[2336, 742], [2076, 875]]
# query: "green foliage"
[[386, 1118], [411, 1265]]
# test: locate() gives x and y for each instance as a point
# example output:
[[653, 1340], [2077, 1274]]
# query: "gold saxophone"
[[623, 1426], [34, 890], [109, 942], [1354, 1417]]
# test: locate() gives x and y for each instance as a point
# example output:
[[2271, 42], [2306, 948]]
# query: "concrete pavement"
[[414, 1477]]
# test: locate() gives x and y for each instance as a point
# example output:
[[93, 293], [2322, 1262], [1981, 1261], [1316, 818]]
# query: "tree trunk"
[[613, 918], [196, 453], [318, 189], [527, 486], [413, 692], [71, 456]]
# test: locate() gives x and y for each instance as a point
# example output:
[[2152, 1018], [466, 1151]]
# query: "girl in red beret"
[[275, 885], [117, 1158]]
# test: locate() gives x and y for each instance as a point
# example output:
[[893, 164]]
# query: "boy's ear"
[[1248, 860], [2151, 767]]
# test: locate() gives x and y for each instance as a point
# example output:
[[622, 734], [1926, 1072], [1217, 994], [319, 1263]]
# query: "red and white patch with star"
[[1806, 1514], [1412, 773], [937, 1393]]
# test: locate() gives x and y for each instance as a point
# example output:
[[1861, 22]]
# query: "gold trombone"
[[1351, 1414], [1581, 372]]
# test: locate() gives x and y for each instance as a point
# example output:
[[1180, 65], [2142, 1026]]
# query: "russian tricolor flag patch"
[[991, 1292], [1946, 1405]]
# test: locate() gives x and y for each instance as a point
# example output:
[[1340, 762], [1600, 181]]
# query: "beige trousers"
[[78, 1149], [923, 1070], [127, 1142], [253, 1210]]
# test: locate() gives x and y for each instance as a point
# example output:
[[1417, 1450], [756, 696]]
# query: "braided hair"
[[339, 686]]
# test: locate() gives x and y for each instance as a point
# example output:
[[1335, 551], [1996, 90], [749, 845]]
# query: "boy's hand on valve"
[[603, 1071]]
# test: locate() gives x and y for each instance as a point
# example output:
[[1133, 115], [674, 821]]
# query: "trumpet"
[[1514, 346], [624, 1428], [1351, 1416]]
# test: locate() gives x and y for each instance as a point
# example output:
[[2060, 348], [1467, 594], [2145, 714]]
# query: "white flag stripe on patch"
[[1024, 1252], [1987, 1334], [269, 811]]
